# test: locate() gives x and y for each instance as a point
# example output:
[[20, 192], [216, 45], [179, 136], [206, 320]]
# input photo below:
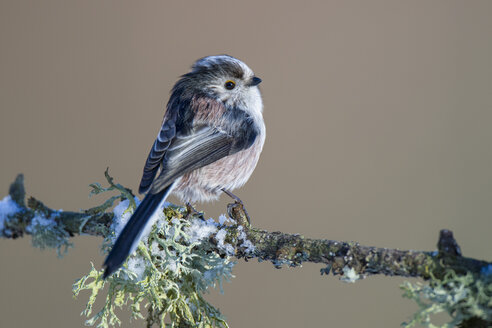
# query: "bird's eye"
[[229, 85]]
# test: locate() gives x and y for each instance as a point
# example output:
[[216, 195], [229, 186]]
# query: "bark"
[[277, 247]]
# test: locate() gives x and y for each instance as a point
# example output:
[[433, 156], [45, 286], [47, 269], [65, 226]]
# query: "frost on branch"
[[41, 223], [184, 255]]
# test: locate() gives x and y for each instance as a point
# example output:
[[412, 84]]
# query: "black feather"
[[132, 231]]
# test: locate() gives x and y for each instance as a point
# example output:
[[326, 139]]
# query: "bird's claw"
[[191, 211]]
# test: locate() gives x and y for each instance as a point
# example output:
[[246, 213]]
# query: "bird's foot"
[[191, 211], [239, 202]]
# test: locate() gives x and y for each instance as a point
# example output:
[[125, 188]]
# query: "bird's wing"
[[190, 152], [156, 154], [195, 134]]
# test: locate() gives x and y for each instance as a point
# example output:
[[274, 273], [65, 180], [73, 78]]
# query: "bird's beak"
[[254, 81]]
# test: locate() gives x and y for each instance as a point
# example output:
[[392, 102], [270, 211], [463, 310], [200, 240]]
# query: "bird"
[[209, 143]]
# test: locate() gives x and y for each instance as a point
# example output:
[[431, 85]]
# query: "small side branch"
[[94, 221]]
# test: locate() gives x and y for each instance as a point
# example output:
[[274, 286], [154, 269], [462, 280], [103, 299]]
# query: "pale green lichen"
[[49, 232], [46, 232], [98, 189], [462, 297], [168, 274]]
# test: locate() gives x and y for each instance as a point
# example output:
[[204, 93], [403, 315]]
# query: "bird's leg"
[[238, 201]]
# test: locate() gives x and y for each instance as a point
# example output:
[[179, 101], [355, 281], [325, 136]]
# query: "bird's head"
[[224, 78]]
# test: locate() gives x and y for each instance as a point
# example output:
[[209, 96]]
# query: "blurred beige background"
[[378, 117]]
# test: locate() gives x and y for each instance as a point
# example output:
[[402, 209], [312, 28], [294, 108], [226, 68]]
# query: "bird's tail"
[[130, 236]]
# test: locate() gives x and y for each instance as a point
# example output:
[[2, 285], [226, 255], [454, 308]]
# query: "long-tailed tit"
[[210, 140]]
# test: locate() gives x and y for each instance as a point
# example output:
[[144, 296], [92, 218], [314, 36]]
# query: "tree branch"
[[277, 247], [93, 221], [293, 249], [349, 259]]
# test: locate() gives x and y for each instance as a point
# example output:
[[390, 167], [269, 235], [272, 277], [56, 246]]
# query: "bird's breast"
[[231, 172]]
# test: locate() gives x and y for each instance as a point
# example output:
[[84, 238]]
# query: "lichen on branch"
[[185, 254], [171, 269]]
